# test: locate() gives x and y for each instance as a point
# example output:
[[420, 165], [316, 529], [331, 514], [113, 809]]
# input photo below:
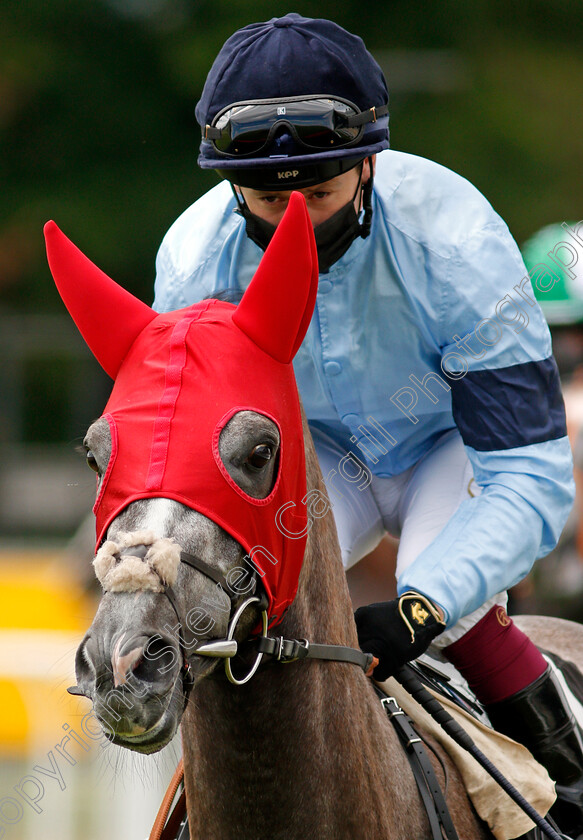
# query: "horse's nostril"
[[125, 658], [84, 664], [147, 659], [159, 658]]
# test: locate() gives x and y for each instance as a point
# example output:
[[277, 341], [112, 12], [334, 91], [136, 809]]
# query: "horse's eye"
[[91, 461], [259, 456]]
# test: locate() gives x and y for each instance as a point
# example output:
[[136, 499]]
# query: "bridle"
[[224, 648], [276, 647]]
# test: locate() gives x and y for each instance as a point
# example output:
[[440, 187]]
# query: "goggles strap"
[[370, 115], [367, 201]]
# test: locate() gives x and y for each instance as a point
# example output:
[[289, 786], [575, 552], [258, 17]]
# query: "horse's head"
[[200, 477]]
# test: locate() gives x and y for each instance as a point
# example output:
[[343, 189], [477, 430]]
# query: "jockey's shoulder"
[[434, 206]]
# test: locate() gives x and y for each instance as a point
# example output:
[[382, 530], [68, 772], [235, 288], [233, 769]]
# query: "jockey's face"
[[323, 200]]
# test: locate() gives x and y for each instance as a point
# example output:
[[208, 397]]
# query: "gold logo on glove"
[[420, 609], [418, 612]]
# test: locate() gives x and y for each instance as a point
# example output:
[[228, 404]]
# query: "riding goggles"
[[315, 122]]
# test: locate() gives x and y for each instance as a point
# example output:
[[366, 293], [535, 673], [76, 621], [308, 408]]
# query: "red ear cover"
[[108, 317], [277, 307]]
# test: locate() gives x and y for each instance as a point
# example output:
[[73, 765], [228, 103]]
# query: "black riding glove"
[[397, 631]]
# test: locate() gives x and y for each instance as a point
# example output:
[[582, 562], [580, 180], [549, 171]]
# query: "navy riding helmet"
[[291, 102]]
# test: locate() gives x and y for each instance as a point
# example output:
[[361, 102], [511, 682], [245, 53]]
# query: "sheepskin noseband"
[[152, 567]]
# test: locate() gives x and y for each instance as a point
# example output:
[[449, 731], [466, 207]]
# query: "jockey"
[[427, 372]]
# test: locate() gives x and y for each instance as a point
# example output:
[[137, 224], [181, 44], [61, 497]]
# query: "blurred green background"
[[97, 131]]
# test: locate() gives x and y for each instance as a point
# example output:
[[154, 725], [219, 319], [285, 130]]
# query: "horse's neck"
[[304, 750], [322, 605], [296, 732]]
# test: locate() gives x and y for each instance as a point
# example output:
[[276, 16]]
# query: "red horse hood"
[[180, 377]]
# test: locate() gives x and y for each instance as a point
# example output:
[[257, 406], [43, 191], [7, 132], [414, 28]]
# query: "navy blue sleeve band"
[[509, 407]]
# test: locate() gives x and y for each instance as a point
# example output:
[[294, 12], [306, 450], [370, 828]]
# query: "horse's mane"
[[227, 295]]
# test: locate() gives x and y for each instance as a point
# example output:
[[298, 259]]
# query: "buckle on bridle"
[[279, 650], [289, 650]]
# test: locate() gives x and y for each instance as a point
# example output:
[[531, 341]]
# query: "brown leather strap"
[[158, 832], [172, 828]]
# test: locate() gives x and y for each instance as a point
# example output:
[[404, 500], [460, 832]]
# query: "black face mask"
[[333, 237]]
